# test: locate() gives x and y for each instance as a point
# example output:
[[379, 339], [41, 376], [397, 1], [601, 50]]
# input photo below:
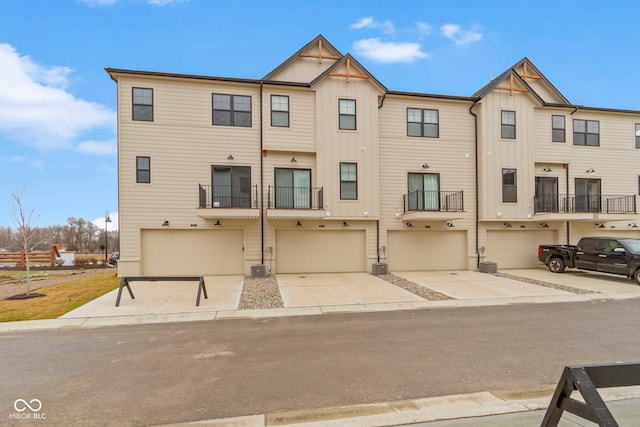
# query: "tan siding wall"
[[183, 145], [305, 70], [359, 146], [452, 155], [300, 136]]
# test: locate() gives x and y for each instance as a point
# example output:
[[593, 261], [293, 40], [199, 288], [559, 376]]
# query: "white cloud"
[[424, 28], [36, 109], [25, 161], [96, 147], [113, 225], [368, 22], [459, 36], [388, 51]]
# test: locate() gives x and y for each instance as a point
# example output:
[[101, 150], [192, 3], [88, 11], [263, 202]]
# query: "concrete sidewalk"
[[317, 294]]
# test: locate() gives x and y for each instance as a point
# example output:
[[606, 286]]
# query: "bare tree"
[[25, 230]]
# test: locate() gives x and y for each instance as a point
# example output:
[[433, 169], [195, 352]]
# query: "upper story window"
[[422, 123], [279, 110], [558, 129], [586, 132], [637, 135], [348, 181], [143, 169], [347, 116], [142, 104], [509, 185], [508, 125], [231, 110]]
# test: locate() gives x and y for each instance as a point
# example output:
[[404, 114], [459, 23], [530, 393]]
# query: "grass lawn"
[[60, 298]]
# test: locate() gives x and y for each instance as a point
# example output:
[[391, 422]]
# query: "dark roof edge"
[[200, 77], [433, 95], [583, 107], [295, 56]]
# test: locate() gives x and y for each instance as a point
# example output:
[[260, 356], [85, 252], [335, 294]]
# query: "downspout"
[[566, 168], [475, 120], [377, 220], [261, 179]]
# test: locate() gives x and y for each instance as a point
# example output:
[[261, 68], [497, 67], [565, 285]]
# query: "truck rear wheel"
[[636, 276], [556, 265]]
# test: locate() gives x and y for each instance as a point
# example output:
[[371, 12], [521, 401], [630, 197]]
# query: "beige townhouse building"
[[319, 167]]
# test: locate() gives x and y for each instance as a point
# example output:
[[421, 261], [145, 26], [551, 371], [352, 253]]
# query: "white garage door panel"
[[192, 252], [427, 250], [517, 248], [320, 251]]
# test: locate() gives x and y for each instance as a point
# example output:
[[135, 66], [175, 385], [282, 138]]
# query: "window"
[[422, 123], [587, 194], [347, 119], [424, 192], [586, 132], [143, 170], [231, 186], [348, 181], [142, 104], [637, 135], [508, 128], [293, 188], [546, 194], [279, 111], [231, 110], [558, 129], [509, 186]]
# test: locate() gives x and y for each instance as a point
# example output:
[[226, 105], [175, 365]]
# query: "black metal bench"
[[586, 379], [124, 282]]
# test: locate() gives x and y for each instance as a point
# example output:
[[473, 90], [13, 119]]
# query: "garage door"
[[320, 251], [192, 252], [427, 250], [517, 248]]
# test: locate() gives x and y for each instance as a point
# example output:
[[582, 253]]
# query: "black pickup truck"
[[603, 254]]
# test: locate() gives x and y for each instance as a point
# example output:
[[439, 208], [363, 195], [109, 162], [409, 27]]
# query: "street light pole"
[[106, 237]]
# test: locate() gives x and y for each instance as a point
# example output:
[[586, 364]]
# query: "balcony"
[[433, 205], [295, 202], [571, 206], [228, 201]]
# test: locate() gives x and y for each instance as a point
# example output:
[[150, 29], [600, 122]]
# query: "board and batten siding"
[[451, 155], [359, 146]]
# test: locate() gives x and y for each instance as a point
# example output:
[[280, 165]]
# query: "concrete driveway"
[[588, 281], [462, 284], [321, 289]]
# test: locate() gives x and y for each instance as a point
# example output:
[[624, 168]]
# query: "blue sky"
[[58, 105]]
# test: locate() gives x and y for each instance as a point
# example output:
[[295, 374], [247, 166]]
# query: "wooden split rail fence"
[[19, 259]]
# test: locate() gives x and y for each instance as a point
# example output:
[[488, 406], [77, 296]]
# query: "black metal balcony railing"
[[571, 203], [228, 196], [295, 197], [437, 201]]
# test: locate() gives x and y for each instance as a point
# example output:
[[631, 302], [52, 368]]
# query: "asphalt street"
[[178, 372]]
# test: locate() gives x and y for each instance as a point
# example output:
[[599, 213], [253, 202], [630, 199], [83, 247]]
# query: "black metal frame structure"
[[124, 282], [587, 379]]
